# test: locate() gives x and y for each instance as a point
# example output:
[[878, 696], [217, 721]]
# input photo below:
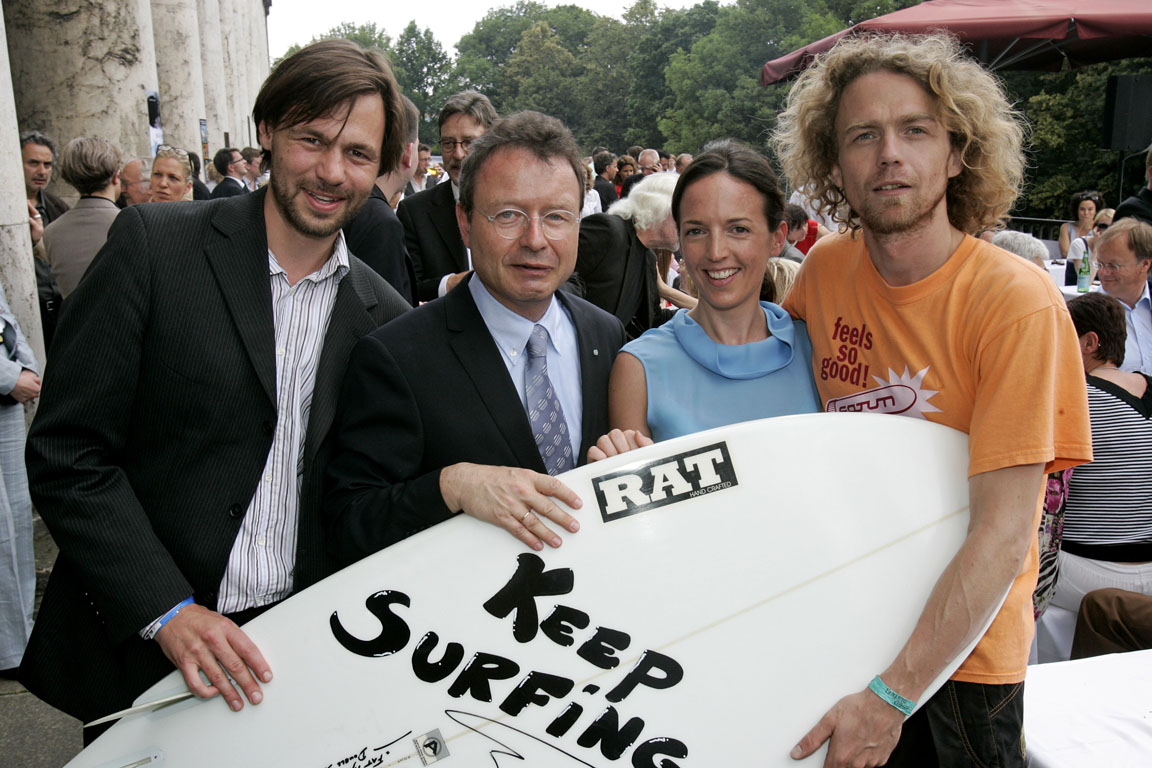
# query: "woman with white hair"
[[1023, 245]]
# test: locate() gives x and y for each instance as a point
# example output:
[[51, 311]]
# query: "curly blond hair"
[[987, 132]]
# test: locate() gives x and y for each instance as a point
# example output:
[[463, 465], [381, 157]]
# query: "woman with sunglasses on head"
[[1085, 206], [171, 175], [732, 358]]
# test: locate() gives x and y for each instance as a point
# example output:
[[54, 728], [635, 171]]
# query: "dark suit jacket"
[[376, 236], [617, 273], [200, 190], [630, 182], [430, 390], [432, 237], [1138, 206], [607, 192], [229, 186], [153, 429]]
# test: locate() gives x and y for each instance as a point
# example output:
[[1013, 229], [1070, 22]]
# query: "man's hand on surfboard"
[[198, 639], [517, 500], [616, 442], [863, 730]]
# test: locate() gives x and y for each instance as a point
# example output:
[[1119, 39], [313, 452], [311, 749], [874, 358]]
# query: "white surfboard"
[[724, 591]]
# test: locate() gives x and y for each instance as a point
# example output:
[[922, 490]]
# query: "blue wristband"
[[890, 696], [171, 615]]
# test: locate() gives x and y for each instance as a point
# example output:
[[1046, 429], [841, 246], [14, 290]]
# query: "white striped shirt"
[[264, 553], [1110, 499]]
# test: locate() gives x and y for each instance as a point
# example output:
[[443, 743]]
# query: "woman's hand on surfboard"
[[197, 639], [862, 729], [616, 442], [517, 500]]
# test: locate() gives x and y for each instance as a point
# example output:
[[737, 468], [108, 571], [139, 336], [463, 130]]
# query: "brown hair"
[[545, 137], [987, 133], [88, 163], [742, 163], [471, 103], [1103, 315], [324, 78]]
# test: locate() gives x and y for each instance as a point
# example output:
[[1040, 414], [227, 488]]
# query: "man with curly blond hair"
[[912, 147]]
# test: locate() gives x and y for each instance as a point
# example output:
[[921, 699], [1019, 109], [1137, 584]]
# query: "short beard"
[[282, 198], [908, 222]]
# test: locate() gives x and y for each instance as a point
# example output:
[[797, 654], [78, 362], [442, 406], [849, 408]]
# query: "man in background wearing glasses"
[[1123, 259], [230, 164], [470, 403], [431, 234]]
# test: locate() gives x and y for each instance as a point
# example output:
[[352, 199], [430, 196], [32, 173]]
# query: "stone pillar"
[[16, 270], [176, 29], [219, 113], [235, 64], [83, 69]]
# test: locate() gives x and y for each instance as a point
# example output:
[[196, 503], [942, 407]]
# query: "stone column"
[[16, 271], [232, 36], [219, 113], [83, 69], [176, 28]]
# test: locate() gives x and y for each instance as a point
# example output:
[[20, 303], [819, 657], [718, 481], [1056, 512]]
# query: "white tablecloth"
[[1056, 269], [1070, 292], [1089, 713]]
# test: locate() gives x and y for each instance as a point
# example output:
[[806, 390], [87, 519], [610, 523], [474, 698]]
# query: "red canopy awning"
[[1009, 34]]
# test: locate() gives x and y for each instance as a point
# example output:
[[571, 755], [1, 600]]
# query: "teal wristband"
[[878, 687]]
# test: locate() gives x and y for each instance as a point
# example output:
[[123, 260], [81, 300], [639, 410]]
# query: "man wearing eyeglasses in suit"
[[431, 233], [472, 403]]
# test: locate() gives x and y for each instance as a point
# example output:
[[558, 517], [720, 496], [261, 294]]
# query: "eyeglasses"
[[511, 223], [1104, 266], [1101, 227], [449, 145], [167, 150]]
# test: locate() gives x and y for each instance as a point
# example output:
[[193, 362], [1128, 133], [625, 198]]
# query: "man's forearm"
[[1003, 504]]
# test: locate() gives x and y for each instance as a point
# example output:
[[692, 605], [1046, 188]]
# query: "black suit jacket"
[[229, 186], [1138, 206], [430, 390], [432, 237], [617, 273], [376, 236], [607, 192], [154, 425]]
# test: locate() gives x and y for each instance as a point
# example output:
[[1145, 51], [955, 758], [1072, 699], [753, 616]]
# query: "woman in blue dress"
[[732, 358]]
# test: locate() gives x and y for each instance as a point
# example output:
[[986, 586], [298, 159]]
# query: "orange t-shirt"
[[984, 345]]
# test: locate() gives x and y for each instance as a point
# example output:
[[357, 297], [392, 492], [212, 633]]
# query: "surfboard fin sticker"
[[431, 747], [664, 481]]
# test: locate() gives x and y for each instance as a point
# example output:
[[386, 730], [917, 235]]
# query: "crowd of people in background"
[[700, 278]]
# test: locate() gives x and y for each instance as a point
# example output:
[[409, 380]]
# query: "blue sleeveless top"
[[696, 384]]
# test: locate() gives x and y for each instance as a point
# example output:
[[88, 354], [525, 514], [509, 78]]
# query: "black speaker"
[[1128, 112]]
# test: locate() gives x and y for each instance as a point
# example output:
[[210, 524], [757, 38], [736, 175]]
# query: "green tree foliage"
[[717, 83], [1066, 111], [365, 35], [422, 69], [541, 75], [680, 78], [657, 40]]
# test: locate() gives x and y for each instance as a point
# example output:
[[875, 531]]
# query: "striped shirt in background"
[[1109, 511]]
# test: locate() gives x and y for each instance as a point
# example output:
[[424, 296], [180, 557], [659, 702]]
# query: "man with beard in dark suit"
[[431, 234], [180, 440], [472, 402]]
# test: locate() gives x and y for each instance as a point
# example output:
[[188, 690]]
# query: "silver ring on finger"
[[525, 517]]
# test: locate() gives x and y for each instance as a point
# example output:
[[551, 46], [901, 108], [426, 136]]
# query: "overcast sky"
[[298, 21]]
